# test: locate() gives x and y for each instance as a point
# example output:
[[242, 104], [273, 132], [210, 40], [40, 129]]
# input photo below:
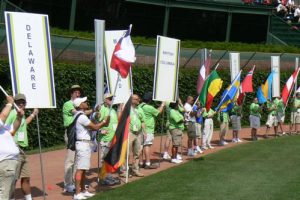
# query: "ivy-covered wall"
[[50, 120]]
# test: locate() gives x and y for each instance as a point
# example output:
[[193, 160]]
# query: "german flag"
[[117, 152]]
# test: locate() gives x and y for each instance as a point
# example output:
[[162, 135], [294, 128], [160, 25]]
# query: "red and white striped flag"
[[246, 86], [287, 89], [203, 73]]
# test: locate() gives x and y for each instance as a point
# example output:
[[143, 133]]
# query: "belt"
[[135, 132], [83, 140]]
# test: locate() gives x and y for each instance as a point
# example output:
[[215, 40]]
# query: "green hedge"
[[50, 120]]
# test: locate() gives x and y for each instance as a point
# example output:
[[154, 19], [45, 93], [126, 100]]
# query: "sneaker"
[[195, 151], [87, 194], [151, 166], [123, 175], [239, 140], [178, 157], [79, 196], [176, 161], [70, 188], [225, 143], [204, 148], [210, 147], [137, 173], [235, 140], [199, 149], [222, 143], [108, 182], [191, 152], [166, 156]]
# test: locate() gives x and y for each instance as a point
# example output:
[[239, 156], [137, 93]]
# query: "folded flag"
[[287, 89], [123, 55], [117, 151], [264, 92], [203, 73], [211, 88]]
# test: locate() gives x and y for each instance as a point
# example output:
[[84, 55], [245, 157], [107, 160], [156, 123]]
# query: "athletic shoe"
[[199, 149], [70, 188], [79, 196], [195, 151], [166, 156], [235, 140], [137, 173], [108, 182], [210, 147], [204, 148], [151, 166], [176, 161], [191, 152], [239, 140], [178, 157], [88, 194]]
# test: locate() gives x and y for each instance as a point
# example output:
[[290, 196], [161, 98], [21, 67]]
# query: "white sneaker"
[[70, 188], [178, 157], [191, 152], [166, 156], [199, 149], [204, 148], [210, 147], [79, 196], [176, 161], [88, 194], [225, 143], [235, 140], [239, 140]]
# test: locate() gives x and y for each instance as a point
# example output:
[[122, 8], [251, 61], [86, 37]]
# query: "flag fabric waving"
[[117, 152], [287, 89], [246, 86], [203, 73], [264, 92], [211, 88], [123, 55], [230, 94]]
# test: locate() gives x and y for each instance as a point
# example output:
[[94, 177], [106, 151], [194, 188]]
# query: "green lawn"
[[268, 169]]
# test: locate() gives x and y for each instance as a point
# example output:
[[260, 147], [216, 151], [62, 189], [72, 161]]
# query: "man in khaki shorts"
[[21, 138]]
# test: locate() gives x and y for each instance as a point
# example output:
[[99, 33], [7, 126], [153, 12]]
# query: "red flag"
[[123, 55], [117, 152], [246, 86], [287, 89], [203, 73]]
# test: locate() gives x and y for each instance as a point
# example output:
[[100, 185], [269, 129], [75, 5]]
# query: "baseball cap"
[[78, 101], [20, 97], [75, 87], [107, 95]]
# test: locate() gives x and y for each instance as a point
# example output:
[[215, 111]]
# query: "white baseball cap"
[[78, 101]]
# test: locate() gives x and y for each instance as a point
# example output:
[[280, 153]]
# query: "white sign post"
[[234, 64], [29, 49], [166, 69], [275, 66], [124, 87]]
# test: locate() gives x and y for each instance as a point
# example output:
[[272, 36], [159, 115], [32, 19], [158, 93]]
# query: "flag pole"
[[228, 90], [115, 90], [1, 88]]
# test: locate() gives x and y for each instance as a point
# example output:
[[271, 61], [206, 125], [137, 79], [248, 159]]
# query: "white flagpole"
[[1, 88]]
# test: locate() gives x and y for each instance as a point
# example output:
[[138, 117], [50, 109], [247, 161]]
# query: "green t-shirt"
[[225, 117], [210, 112], [112, 126], [176, 120], [280, 105], [150, 114], [236, 110], [21, 135], [136, 119], [296, 104], [180, 108], [255, 110], [271, 108], [67, 113]]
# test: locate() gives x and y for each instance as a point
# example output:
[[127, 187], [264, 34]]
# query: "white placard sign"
[[30, 58], [124, 87], [275, 66], [234, 64], [166, 69]]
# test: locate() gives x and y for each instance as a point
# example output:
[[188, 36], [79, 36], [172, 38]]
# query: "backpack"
[[71, 134]]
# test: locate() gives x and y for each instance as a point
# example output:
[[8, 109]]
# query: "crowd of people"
[[96, 128]]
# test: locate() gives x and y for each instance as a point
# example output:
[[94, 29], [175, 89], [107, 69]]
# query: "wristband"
[[9, 104]]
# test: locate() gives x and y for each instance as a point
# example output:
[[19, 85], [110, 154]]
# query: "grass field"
[[268, 169]]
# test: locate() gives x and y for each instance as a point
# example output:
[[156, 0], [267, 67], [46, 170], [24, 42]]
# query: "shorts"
[[254, 121], [149, 139], [295, 117], [23, 166], [135, 144], [176, 137], [235, 122], [224, 127], [280, 117], [83, 155], [198, 130], [8, 178], [191, 130], [272, 121]]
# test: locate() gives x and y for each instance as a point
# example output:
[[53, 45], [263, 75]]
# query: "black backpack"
[[71, 134]]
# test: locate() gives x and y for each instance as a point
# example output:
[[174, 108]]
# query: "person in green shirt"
[[21, 138], [176, 127], [150, 116], [272, 118], [295, 114], [280, 113], [254, 118], [235, 118], [223, 118]]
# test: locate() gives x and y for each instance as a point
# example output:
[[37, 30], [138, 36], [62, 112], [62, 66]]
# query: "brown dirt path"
[[53, 163]]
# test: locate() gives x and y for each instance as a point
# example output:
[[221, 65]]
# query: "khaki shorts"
[[280, 117], [8, 169], [224, 128], [83, 155], [149, 139], [295, 117], [235, 122], [198, 130], [272, 120], [23, 166], [176, 137], [191, 130], [254, 121]]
